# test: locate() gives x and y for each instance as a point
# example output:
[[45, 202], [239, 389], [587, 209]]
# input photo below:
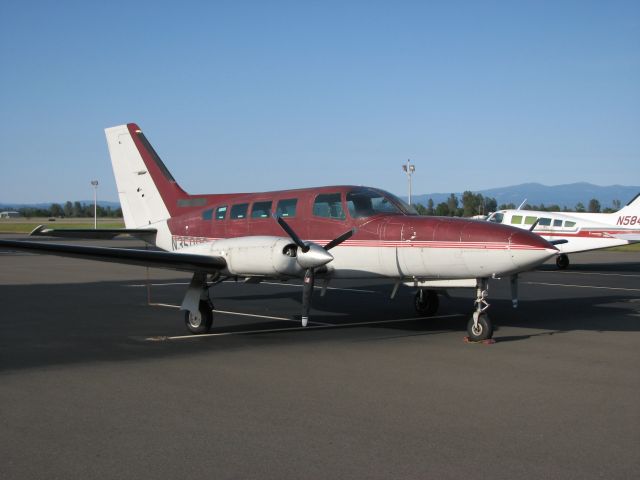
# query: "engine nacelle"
[[258, 256]]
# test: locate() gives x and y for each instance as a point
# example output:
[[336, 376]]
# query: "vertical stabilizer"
[[148, 193], [633, 207]]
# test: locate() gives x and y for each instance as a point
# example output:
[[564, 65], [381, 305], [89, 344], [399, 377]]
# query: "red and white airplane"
[[575, 232], [332, 232]]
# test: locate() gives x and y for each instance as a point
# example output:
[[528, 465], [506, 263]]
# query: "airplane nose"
[[530, 240], [529, 250]]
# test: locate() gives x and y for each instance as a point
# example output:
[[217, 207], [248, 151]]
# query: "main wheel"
[[483, 331], [562, 261], [426, 304], [200, 321]]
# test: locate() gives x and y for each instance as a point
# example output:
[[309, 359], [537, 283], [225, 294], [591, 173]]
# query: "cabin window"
[[261, 210], [287, 208], [207, 214], [221, 212], [569, 224], [530, 220], [557, 223], [545, 222], [516, 220], [239, 211], [328, 205]]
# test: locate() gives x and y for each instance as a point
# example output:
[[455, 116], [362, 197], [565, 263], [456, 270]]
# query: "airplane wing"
[[147, 258], [148, 235], [632, 237]]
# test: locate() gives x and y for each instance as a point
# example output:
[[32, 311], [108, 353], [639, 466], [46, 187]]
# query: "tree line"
[[472, 204], [70, 209], [469, 205]]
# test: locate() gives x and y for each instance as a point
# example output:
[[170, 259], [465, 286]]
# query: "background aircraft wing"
[[148, 235], [148, 258], [632, 237]]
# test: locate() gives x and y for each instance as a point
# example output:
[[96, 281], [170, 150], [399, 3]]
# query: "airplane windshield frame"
[[367, 202]]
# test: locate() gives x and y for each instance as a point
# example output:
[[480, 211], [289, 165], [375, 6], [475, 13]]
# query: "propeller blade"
[[294, 236], [337, 241], [534, 225], [307, 291]]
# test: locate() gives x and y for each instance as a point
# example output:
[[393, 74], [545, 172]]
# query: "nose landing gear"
[[480, 327]]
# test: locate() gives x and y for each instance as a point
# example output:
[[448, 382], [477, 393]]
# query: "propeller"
[[311, 256]]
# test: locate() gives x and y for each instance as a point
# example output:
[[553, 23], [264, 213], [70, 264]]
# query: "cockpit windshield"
[[366, 202], [496, 217]]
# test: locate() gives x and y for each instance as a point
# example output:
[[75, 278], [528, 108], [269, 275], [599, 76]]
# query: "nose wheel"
[[480, 327]]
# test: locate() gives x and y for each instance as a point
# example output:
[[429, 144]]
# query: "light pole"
[[94, 184], [409, 169]]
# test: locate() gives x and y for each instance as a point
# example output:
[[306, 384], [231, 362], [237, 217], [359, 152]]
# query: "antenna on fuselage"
[[522, 204]]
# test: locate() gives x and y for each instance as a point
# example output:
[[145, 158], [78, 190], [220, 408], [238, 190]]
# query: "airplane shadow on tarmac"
[[45, 325]]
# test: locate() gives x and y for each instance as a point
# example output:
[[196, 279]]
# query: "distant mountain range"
[[535, 194]]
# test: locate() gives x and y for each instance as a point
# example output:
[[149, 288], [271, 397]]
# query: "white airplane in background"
[[573, 232]]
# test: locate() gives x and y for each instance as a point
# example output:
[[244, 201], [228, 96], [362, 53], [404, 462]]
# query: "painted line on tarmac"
[[294, 329], [299, 285], [319, 287], [601, 274], [582, 286], [254, 315]]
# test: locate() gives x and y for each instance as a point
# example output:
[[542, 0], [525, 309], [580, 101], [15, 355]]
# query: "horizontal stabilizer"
[[148, 234], [147, 258]]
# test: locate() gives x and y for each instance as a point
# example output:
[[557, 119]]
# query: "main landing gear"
[[197, 304], [479, 327], [426, 302], [201, 320], [562, 261]]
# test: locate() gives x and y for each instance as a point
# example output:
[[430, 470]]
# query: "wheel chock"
[[488, 341]]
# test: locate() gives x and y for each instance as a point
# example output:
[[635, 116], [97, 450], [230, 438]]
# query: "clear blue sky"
[[251, 96]]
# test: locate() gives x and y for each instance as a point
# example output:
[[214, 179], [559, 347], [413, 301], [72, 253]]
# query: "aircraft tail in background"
[[628, 216]]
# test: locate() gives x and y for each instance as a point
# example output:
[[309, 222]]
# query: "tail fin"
[[633, 207], [629, 215], [148, 193]]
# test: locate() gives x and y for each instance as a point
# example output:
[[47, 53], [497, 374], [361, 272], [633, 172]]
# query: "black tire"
[[201, 321], [428, 304], [562, 261], [484, 331]]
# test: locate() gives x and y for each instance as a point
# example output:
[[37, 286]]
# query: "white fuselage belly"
[[374, 259], [432, 262]]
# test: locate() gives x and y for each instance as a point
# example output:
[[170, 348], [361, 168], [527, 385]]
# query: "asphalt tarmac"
[[95, 382]]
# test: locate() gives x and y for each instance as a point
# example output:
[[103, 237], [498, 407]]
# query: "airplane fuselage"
[[394, 245]]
